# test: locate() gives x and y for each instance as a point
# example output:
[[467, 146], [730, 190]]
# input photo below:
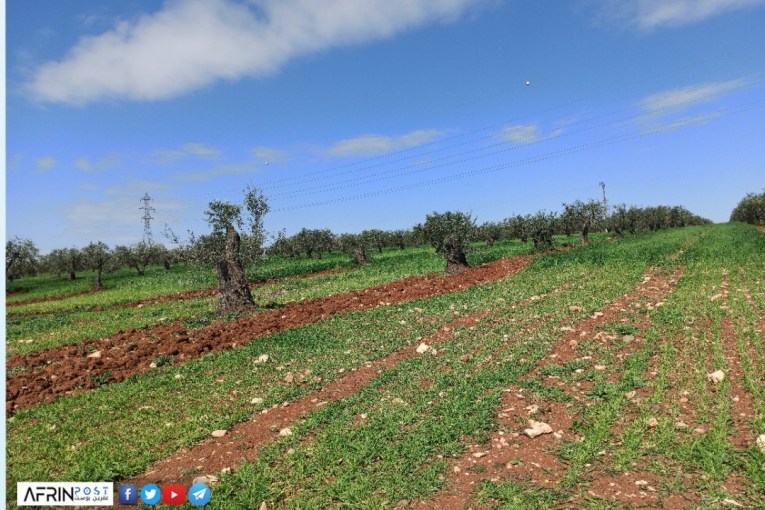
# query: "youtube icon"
[[173, 494]]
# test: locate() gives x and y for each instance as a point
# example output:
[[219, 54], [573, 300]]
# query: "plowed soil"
[[71, 369]]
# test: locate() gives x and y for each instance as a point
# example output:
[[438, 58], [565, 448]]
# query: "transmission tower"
[[147, 217]]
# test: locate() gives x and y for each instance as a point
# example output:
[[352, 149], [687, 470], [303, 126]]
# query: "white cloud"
[[685, 121], [375, 145], [676, 100], [267, 154], [45, 164], [520, 134], [199, 150], [104, 163], [227, 169], [651, 14], [190, 44]]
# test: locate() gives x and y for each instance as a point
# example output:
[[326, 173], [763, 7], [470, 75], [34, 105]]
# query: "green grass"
[[413, 430]]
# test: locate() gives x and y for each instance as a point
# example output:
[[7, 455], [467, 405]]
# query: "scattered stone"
[[716, 377], [761, 443], [95, 354], [574, 308], [264, 506], [205, 479], [732, 502], [289, 377], [478, 455], [652, 422], [263, 358], [630, 395], [423, 348], [226, 471], [256, 400], [532, 409], [152, 365], [219, 433], [628, 338], [286, 431], [178, 376], [681, 425], [537, 428]]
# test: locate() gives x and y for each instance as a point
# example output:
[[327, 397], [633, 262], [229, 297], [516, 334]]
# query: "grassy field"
[[610, 344]]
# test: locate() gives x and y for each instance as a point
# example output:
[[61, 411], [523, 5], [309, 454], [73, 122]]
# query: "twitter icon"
[[150, 494]]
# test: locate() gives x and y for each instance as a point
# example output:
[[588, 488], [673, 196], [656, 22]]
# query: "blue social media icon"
[[199, 494], [127, 495], [150, 494]]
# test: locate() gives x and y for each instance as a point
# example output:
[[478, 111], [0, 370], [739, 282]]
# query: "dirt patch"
[[52, 298], [67, 370], [509, 453], [743, 406]]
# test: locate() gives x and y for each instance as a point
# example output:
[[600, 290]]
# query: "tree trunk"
[[456, 262], [360, 255], [72, 276], [586, 233], [97, 283], [167, 264], [233, 290], [490, 242]]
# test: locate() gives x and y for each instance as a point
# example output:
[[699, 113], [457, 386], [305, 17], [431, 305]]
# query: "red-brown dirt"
[[51, 298], [67, 370]]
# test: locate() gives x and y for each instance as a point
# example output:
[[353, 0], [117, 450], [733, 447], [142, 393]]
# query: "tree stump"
[[456, 262], [360, 255], [233, 290]]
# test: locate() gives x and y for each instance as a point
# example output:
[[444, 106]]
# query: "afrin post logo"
[[65, 494]]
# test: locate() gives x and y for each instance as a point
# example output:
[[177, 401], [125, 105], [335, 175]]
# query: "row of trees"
[[751, 209], [22, 258], [231, 247]]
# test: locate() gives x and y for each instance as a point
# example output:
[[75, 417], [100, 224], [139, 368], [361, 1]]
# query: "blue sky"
[[354, 114]]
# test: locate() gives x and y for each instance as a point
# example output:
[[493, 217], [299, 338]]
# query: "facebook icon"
[[128, 495]]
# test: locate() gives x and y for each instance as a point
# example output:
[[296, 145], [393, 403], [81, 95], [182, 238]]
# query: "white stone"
[[716, 377], [537, 428]]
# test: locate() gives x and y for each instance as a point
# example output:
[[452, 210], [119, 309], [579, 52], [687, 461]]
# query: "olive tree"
[[355, 246], [140, 256], [97, 257], [224, 218], [541, 228], [449, 233], [65, 260], [582, 216], [750, 209], [21, 258]]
